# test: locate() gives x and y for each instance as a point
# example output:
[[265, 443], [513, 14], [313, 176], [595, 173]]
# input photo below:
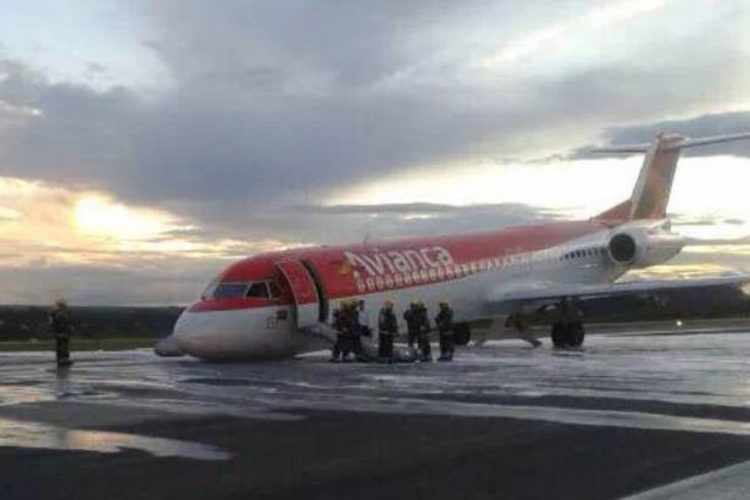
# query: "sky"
[[146, 145]]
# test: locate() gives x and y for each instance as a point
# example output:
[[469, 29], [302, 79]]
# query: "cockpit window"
[[230, 290], [258, 290], [211, 288]]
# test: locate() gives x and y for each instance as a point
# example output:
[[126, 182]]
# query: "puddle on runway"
[[34, 435]]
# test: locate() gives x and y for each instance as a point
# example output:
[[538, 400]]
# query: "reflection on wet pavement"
[[639, 382], [35, 435]]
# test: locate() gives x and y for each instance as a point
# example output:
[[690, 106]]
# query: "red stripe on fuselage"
[[347, 271]]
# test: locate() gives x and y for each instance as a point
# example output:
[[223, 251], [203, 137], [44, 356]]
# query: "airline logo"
[[383, 270], [373, 264], [380, 270]]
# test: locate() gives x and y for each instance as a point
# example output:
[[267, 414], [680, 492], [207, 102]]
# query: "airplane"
[[279, 304]]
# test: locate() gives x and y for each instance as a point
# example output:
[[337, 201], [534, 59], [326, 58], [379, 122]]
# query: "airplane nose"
[[191, 334], [234, 334]]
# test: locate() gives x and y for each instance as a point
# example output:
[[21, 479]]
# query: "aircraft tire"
[[576, 334], [559, 335], [461, 334]]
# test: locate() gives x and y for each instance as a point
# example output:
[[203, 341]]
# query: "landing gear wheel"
[[559, 335], [461, 334], [576, 334]]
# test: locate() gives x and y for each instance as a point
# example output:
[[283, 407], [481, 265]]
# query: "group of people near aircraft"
[[351, 321]]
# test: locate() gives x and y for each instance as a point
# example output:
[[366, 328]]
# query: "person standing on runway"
[[387, 330], [444, 322], [411, 316], [338, 325], [423, 333], [60, 323]]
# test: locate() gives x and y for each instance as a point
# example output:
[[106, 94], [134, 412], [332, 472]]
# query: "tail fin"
[[651, 193]]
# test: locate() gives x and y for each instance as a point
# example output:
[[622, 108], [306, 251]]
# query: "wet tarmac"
[[657, 416]]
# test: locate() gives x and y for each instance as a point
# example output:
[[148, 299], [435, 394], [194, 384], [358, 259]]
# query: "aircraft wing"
[[540, 292]]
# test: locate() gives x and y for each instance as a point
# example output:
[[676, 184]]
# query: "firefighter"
[[444, 323], [364, 319], [357, 330], [411, 316], [60, 323], [387, 330], [338, 325], [423, 333], [348, 327]]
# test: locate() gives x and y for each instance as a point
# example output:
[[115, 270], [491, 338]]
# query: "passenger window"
[[258, 290], [275, 290]]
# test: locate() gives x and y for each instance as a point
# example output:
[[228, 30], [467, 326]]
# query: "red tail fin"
[[651, 193]]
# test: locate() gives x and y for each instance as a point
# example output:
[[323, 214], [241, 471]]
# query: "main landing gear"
[[567, 334]]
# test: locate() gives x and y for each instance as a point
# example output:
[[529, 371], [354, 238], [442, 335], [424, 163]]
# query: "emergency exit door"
[[305, 293]]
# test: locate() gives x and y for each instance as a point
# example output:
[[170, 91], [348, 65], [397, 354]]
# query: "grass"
[[79, 344]]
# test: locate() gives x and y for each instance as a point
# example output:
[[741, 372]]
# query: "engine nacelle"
[[644, 246]]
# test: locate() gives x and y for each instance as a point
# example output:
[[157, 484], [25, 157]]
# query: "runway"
[[650, 416]]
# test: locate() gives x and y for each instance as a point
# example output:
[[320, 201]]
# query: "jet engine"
[[644, 246]]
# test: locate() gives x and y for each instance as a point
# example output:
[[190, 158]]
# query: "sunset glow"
[[99, 216]]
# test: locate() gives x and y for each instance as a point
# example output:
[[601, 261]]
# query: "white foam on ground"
[[695, 370]]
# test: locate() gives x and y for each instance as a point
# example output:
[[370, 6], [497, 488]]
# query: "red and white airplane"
[[278, 304]]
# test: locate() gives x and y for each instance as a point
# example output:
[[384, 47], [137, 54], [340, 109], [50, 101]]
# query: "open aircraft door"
[[307, 299]]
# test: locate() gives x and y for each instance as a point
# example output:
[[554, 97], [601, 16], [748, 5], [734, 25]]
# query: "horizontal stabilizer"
[[704, 141], [631, 148], [679, 144]]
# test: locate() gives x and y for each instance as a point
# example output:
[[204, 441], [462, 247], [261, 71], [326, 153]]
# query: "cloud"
[[275, 106], [281, 101], [705, 220], [701, 126], [168, 283]]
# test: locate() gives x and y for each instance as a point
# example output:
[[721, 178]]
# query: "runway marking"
[[597, 418]]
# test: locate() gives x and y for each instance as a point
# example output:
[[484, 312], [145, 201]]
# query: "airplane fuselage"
[[462, 270]]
